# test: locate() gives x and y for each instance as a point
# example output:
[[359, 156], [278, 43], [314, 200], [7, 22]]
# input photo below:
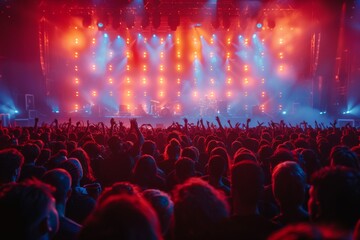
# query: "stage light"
[[101, 25], [127, 67], [259, 25]]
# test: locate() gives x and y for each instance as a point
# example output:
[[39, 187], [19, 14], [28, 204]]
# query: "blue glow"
[[105, 35], [254, 35], [284, 112], [16, 111], [259, 25], [100, 24], [154, 35], [139, 35], [169, 35], [118, 36]]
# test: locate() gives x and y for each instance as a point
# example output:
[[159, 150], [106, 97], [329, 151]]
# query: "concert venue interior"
[[163, 60]]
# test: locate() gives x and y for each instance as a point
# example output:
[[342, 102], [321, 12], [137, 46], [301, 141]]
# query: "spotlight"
[[102, 21]]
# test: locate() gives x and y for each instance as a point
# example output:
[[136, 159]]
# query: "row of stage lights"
[[173, 21]]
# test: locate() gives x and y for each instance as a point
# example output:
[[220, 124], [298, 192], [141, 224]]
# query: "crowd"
[[188, 181]]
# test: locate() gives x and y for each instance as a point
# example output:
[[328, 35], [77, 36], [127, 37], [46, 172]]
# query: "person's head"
[[335, 196], [308, 231], [197, 208], [281, 155], [342, 155], [11, 161], [30, 152], [145, 167], [184, 169], [190, 152], [222, 152], [118, 188], [148, 147], [28, 210], [173, 149], [244, 154], [122, 217], [84, 159], [289, 185], [115, 144], [163, 206], [247, 184], [92, 148], [217, 166], [73, 167], [61, 180]]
